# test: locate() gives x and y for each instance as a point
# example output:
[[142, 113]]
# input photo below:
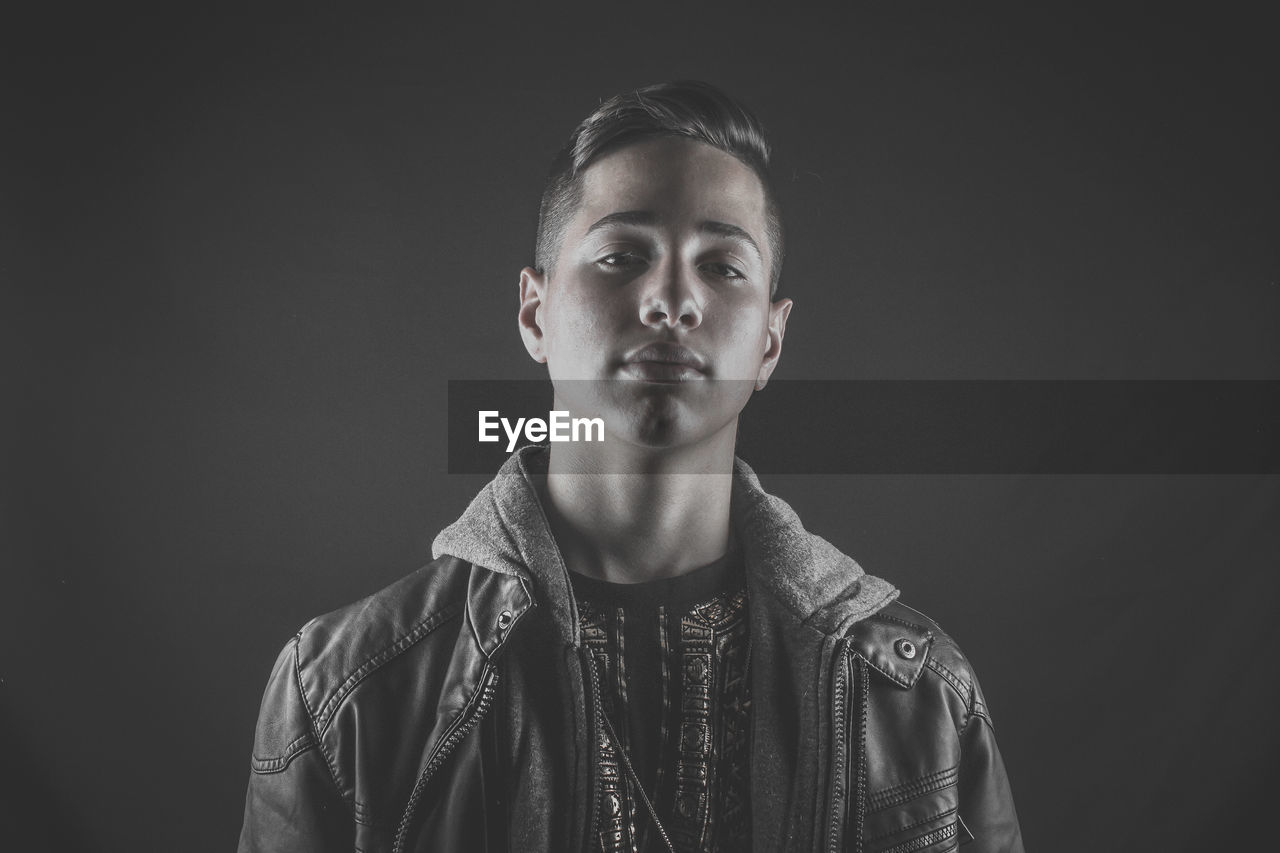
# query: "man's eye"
[[723, 270], [620, 260]]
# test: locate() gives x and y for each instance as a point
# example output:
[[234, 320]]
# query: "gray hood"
[[505, 530]]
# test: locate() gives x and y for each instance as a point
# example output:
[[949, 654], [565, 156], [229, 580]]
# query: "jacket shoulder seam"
[[881, 615], [325, 715], [964, 691], [978, 712], [311, 720]]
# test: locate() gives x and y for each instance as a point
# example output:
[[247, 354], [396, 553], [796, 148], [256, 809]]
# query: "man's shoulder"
[[408, 605], [328, 661], [335, 652], [911, 649]]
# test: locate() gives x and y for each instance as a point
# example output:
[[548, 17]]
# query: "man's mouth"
[[664, 362]]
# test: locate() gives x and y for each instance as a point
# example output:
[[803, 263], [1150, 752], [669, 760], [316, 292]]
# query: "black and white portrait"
[[697, 428]]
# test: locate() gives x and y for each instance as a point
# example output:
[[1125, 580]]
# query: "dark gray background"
[[247, 246]]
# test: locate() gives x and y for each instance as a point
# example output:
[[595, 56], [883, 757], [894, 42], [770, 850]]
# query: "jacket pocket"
[[935, 834], [944, 838], [919, 816]]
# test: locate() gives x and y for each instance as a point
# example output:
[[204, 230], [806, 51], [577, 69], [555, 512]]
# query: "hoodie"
[[804, 595]]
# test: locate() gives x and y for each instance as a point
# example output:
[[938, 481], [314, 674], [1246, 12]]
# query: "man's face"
[[661, 283]]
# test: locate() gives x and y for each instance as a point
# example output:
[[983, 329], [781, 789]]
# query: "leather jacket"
[[455, 710]]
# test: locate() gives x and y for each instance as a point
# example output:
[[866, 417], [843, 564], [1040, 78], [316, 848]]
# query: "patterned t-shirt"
[[673, 661]]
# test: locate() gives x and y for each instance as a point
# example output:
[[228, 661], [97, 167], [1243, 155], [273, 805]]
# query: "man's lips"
[[665, 362]]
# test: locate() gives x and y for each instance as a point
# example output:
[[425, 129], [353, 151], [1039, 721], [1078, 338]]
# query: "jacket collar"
[[505, 530]]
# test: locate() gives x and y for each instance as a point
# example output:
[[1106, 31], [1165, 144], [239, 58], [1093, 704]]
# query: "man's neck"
[[667, 516]]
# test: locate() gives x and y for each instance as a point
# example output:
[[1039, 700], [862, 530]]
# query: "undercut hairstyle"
[[687, 108]]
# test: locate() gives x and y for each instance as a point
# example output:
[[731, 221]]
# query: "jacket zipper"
[[941, 834], [840, 754], [462, 726], [595, 712]]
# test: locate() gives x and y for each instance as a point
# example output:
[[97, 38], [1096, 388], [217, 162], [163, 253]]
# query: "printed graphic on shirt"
[[700, 785]]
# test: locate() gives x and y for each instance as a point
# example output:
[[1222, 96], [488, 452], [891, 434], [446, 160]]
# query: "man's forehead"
[[669, 176]]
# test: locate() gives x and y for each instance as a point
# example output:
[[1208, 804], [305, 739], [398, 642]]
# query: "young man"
[[629, 645]]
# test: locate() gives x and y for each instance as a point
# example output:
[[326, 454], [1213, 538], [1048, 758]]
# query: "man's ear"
[[778, 313], [533, 288]]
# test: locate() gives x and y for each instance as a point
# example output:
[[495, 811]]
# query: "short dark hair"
[[688, 108]]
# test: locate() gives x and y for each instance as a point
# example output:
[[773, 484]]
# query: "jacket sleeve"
[[986, 800], [293, 803]]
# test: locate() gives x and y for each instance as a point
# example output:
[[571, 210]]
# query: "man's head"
[[657, 259], [687, 108]]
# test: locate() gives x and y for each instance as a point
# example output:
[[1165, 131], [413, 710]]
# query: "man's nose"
[[670, 297]]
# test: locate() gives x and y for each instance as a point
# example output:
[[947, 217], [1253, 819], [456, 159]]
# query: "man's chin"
[[659, 416], [665, 431], [660, 434]]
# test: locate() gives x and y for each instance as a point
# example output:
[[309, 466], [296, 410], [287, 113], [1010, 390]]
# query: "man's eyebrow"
[[732, 232], [647, 217], [623, 217]]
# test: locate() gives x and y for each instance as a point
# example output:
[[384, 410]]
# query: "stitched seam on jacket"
[[886, 671], [977, 716], [311, 718], [899, 794], [887, 618], [382, 657], [980, 710], [966, 695], [279, 762], [911, 826]]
